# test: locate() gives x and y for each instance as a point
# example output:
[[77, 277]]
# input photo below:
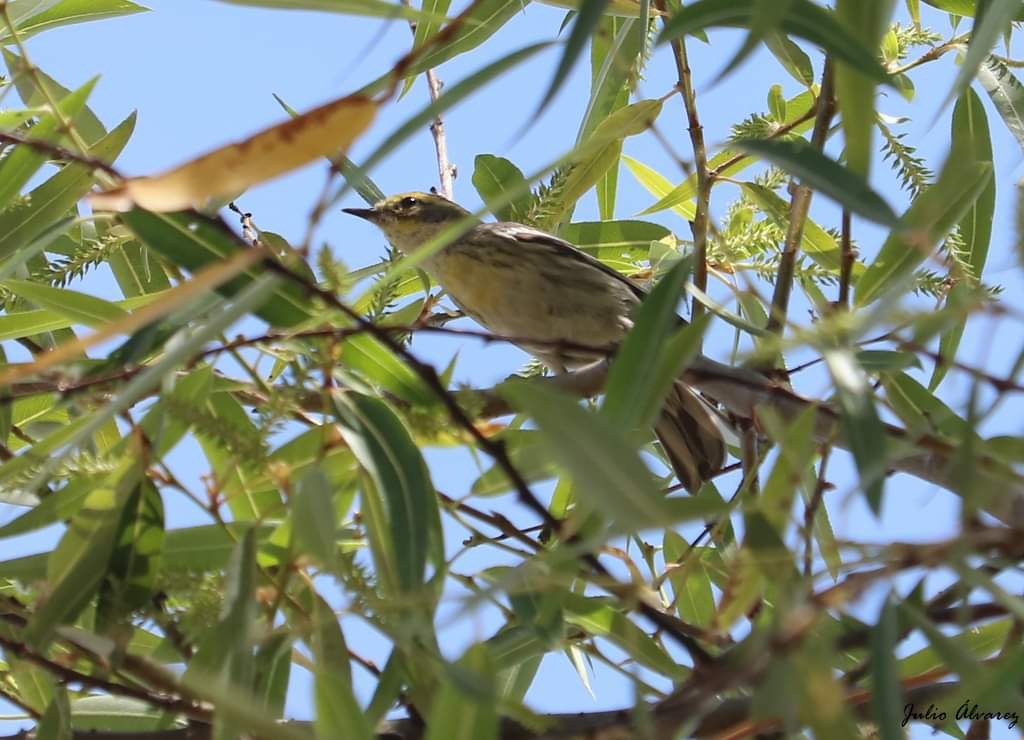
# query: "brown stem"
[[849, 256], [799, 207], [699, 225]]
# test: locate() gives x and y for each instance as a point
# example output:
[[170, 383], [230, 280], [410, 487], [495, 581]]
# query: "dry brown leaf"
[[233, 168]]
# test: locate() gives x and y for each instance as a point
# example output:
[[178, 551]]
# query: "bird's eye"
[[407, 203]]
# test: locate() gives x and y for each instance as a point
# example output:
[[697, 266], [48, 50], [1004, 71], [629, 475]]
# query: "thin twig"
[[798, 210], [699, 225], [445, 170]]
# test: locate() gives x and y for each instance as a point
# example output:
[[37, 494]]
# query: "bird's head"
[[411, 219]]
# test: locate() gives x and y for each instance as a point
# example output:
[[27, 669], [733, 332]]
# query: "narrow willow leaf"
[[465, 709], [602, 617], [67, 12], [492, 176], [78, 565], [765, 18], [28, 86], [378, 364], [814, 169], [965, 8], [130, 581], [970, 136], [691, 583], [631, 400], [388, 454], [725, 163], [887, 692], [337, 712], [866, 20], [817, 243], [592, 159], [860, 424], [792, 58], [330, 128], [314, 519], [986, 32], [193, 242], [1007, 94], [587, 17], [468, 30], [659, 186], [79, 308], [804, 19], [368, 8], [18, 167], [598, 456], [930, 217], [48, 203], [452, 95], [615, 240]]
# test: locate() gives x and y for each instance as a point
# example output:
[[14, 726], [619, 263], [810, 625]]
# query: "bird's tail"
[[691, 439]]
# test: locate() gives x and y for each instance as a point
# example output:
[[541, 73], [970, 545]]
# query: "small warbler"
[[521, 282]]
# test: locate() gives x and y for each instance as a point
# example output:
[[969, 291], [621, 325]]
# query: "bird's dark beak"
[[368, 213]]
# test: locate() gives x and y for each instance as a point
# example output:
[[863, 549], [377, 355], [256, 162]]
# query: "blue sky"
[[201, 73]]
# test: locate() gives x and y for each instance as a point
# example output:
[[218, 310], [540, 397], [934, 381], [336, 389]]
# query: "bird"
[[520, 282]]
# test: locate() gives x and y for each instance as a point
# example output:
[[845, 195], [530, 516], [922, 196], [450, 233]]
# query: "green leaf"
[[792, 58], [867, 21], [451, 96], [652, 356], [817, 243], [368, 8], [860, 423], [602, 617], [24, 221], [804, 19], [18, 167], [426, 29], [401, 480], [367, 355], [79, 563], [677, 197], [970, 136], [466, 709], [776, 102], [986, 32], [135, 561], [608, 473], [68, 12], [613, 237], [526, 450], [691, 583], [930, 217], [314, 519], [802, 160], [468, 30], [591, 160], [965, 8], [192, 242], [886, 693], [492, 177], [85, 121], [614, 54], [1007, 94], [659, 186], [338, 714], [79, 308], [586, 20]]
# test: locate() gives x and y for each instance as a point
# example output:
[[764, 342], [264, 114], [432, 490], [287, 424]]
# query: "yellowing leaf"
[[233, 168]]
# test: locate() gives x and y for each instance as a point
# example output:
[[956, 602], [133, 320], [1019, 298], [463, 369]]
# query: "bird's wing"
[[530, 235]]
